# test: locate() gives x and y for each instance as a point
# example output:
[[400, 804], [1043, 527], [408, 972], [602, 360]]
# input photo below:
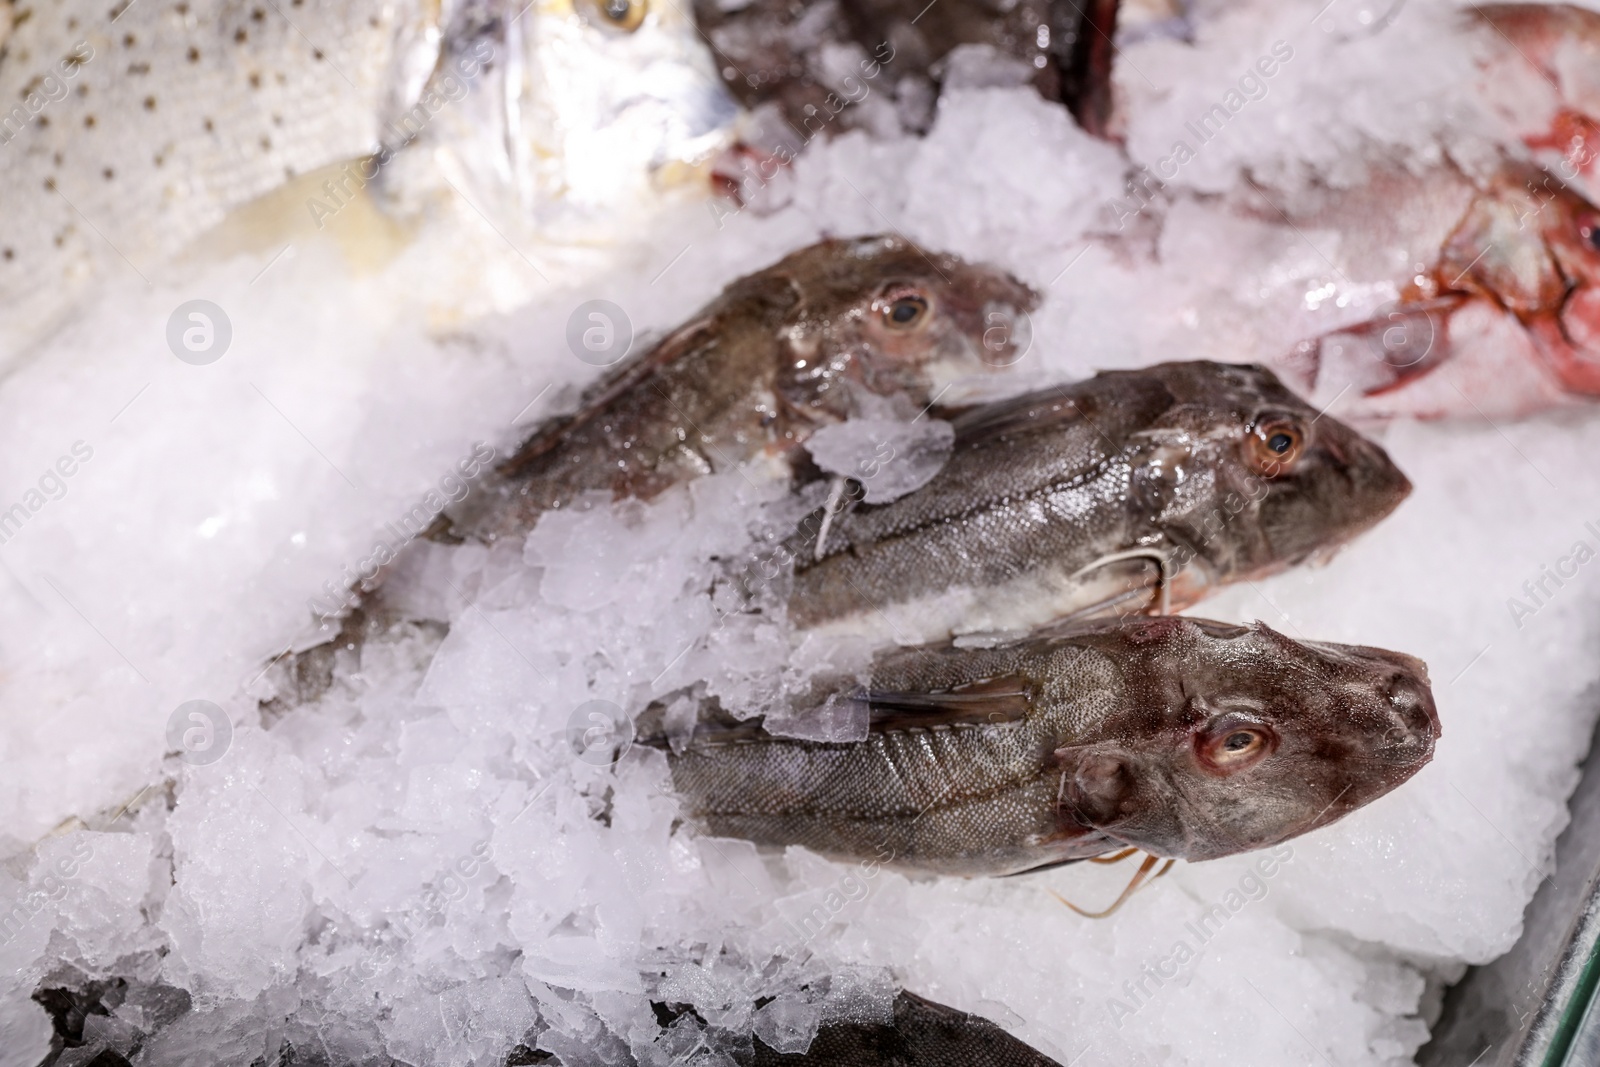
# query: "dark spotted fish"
[[777, 355], [820, 64], [1145, 489], [130, 128], [1186, 738], [923, 1034]]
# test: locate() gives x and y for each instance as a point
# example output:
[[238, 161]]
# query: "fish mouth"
[[1401, 685]]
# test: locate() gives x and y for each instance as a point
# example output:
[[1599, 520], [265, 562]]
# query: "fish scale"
[[537, 126], [909, 792]]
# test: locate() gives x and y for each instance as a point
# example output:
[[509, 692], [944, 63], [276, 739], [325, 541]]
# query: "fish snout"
[[1375, 476], [1402, 693], [1411, 706]]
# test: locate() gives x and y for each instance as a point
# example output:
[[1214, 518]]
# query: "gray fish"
[[778, 354], [922, 1034], [1186, 738], [1175, 479]]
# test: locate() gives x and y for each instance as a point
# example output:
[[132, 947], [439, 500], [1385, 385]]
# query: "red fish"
[[1505, 320]]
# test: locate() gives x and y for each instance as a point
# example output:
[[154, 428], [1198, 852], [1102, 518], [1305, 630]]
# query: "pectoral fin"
[[985, 703]]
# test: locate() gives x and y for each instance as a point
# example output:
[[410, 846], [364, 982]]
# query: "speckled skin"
[[1042, 486], [1066, 746], [776, 355]]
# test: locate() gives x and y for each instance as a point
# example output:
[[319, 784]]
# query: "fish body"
[[1502, 317], [832, 66], [922, 1034], [781, 352], [1186, 738], [128, 130], [1078, 498]]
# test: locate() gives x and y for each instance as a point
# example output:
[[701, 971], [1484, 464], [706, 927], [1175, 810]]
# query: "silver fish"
[[129, 129], [1182, 737], [1173, 480]]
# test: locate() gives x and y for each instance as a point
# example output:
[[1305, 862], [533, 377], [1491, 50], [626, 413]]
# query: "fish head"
[[1531, 245], [586, 115], [1245, 478], [1526, 249], [881, 314], [1237, 737]]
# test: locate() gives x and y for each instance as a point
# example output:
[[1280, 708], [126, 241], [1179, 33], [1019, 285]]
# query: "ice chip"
[[887, 457]]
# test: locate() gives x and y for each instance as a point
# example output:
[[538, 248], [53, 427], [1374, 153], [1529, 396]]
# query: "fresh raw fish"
[[777, 355], [1503, 317], [130, 129], [1133, 489], [780, 353], [1182, 737]]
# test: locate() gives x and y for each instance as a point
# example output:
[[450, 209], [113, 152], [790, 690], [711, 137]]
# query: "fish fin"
[[1086, 76], [987, 422], [1115, 857], [1052, 865], [1140, 880], [1137, 400], [988, 702], [669, 349]]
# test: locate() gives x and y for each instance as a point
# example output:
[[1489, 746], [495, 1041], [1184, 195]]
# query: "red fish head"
[[1536, 249]]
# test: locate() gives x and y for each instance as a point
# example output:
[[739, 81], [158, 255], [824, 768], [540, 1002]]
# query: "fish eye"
[[1589, 230], [1274, 444], [904, 308], [1231, 746], [622, 14]]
